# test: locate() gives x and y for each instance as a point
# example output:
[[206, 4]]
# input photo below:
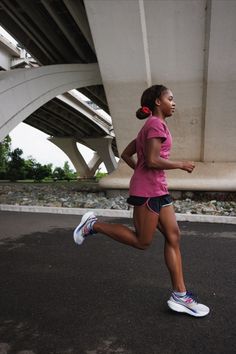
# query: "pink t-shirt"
[[150, 182]]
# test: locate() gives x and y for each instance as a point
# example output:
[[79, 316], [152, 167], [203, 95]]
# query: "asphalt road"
[[105, 297]]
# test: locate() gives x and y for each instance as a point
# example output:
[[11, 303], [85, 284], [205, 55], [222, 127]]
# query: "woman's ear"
[[157, 102]]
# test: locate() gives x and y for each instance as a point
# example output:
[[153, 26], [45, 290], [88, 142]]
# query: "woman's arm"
[[127, 154], [153, 159]]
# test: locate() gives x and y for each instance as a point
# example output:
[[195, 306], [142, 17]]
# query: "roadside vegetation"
[[13, 167]]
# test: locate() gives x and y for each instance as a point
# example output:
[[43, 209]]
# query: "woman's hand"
[[187, 166]]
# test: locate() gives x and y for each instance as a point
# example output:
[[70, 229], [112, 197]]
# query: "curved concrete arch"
[[23, 91], [69, 146]]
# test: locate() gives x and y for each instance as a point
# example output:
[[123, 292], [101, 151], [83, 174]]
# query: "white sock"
[[91, 225], [179, 293]]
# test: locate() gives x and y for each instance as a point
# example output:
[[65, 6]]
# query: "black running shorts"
[[153, 203]]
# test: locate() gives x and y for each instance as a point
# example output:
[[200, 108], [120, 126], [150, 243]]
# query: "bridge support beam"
[[104, 149], [69, 147], [23, 91]]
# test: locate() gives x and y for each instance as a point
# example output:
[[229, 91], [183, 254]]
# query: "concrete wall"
[[142, 43], [186, 45], [220, 115]]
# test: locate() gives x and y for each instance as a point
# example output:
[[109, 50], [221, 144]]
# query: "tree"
[[15, 168], [30, 167], [34, 170], [69, 174], [58, 173], [42, 171], [5, 149]]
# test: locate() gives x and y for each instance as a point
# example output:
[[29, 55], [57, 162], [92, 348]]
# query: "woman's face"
[[166, 103]]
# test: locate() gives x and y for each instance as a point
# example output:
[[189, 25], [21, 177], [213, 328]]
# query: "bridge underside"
[[57, 32], [54, 32], [32, 91], [56, 119]]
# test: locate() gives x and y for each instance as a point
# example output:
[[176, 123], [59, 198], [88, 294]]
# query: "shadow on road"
[[104, 297]]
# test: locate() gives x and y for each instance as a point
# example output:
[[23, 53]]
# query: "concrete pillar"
[[68, 145], [164, 44], [22, 91], [103, 147], [189, 46], [94, 163], [220, 111]]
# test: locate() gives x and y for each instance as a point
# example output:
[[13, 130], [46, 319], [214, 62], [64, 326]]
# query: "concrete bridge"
[[187, 45], [68, 119]]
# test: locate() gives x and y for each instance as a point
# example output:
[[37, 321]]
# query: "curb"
[[114, 213]]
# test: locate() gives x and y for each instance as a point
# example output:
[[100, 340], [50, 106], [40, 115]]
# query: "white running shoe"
[[187, 304], [85, 227]]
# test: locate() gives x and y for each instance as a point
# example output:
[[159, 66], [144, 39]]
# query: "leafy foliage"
[[100, 174], [5, 149], [69, 174], [42, 171], [58, 173], [14, 167]]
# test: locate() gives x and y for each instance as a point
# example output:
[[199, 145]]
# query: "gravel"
[[74, 195]]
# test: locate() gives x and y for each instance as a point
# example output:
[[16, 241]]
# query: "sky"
[[34, 143]]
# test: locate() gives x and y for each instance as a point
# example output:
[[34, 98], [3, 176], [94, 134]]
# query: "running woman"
[[149, 195]]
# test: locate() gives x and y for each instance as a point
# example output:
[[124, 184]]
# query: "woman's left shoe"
[[187, 304], [85, 227]]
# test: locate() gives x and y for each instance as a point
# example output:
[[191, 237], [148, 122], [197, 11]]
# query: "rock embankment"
[[89, 195]]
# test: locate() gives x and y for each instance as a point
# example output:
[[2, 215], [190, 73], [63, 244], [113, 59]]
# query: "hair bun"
[[143, 112]]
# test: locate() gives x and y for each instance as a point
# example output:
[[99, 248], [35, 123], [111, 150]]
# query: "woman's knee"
[[143, 244], [174, 237]]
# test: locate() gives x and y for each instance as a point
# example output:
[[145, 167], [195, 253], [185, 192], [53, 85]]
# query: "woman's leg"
[[145, 222], [170, 230]]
